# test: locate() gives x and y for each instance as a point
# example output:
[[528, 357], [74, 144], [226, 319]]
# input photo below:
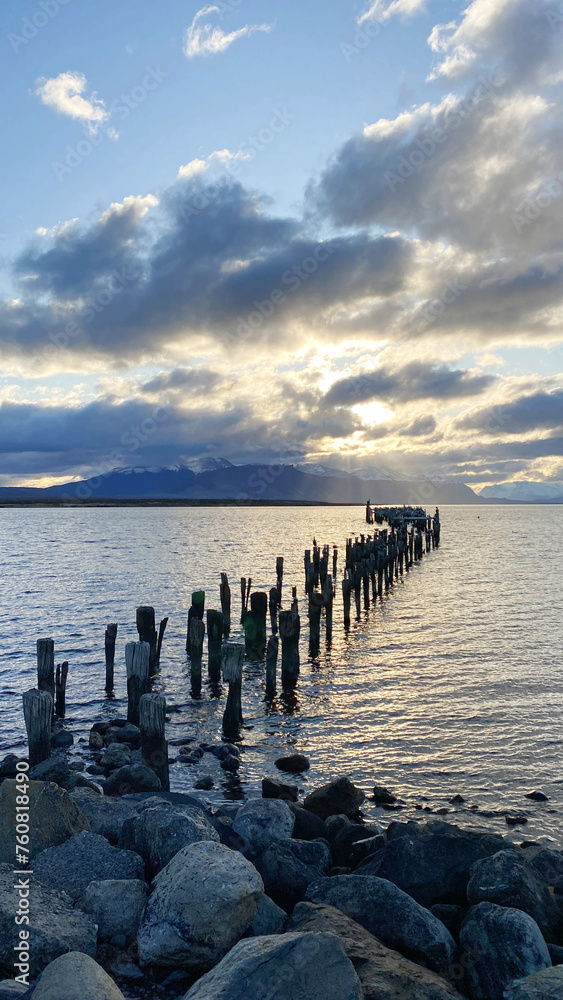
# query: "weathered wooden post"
[[271, 665], [274, 610], [195, 612], [255, 626], [46, 666], [137, 663], [38, 715], [154, 748], [289, 625], [60, 689], [357, 591], [347, 597], [197, 635], [147, 633], [109, 648], [161, 631], [334, 561], [214, 639], [279, 577], [231, 665], [315, 608], [328, 599], [225, 592]]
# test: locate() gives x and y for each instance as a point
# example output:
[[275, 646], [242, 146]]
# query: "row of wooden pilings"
[[372, 565]]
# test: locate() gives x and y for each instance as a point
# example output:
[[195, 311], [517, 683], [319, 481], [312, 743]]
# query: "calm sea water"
[[453, 683]]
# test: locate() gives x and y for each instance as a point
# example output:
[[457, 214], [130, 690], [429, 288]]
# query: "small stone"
[[116, 756], [515, 819], [457, 800], [230, 763], [95, 739], [295, 762], [61, 739], [132, 778], [95, 769], [272, 789], [442, 811], [206, 782], [382, 795], [126, 970], [537, 796], [337, 796]]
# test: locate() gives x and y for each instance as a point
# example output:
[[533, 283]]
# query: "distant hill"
[[523, 490], [246, 482]]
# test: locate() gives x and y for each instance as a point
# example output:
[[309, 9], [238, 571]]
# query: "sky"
[[282, 232]]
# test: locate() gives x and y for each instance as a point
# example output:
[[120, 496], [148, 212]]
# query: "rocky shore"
[[138, 893]]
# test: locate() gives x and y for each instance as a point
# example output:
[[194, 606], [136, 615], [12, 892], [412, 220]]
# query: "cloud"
[[537, 411], [383, 10], [206, 39], [416, 380], [64, 93], [196, 166]]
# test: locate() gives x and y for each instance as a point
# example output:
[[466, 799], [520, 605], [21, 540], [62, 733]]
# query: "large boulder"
[[544, 985], [307, 825], [115, 905], [202, 903], [547, 862], [391, 915], [54, 768], [263, 822], [288, 867], [82, 859], [297, 966], [11, 990], [269, 919], [159, 829], [507, 879], [105, 815], [498, 945], [54, 927], [53, 817], [132, 778], [76, 977], [384, 973], [116, 755], [433, 862], [338, 796]]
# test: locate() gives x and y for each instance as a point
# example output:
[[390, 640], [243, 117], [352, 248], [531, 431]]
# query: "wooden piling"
[[315, 608], [154, 748], [271, 665], [289, 625], [161, 631], [214, 639], [197, 635], [137, 663], [109, 647], [328, 600], [273, 604], [195, 612], [279, 577], [60, 689], [38, 715], [232, 656], [225, 593], [346, 597], [147, 633], [255, 626], [334, 561], [46, 666]]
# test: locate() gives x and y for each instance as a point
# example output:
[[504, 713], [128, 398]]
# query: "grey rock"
[[62, 739], [452, 916], [56, 769], [498, 945], [8, 769], [230, 763], [82, 859], [337, 796], [54, 926], [105, 815], [299, 966], [384, 973], [129, 734], [555, 953], [132, 778], [547, 862], [115, 756], [433, 862], [382, 795], [295, 763], [127, 970], [53, 817], [264, 821], [307, 825], [202, 903], [115, 905], [288, 868], [355, 843], [545, 985], [10, 990], [75, 976], [95, 739], [391, 915], [273, 789], [537, 796], [159, 829], [269, 919], [507, 879], [206, 782]]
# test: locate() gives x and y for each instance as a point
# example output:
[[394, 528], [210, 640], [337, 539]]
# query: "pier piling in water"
[[154, 748], [109, 648], [255, 626], [195, 611], [225, 593], [137, 663], [271, 665], [197, 635], [279, 578], [60, 689], [273, 605], [232, 656], [147, 633], [38, 715], [289, 626], [214, 639], [347, 598], [46, 666]]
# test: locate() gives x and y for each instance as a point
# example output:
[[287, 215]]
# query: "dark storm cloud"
[[196, 381], [420, 427], [537, 411], [416, 380]]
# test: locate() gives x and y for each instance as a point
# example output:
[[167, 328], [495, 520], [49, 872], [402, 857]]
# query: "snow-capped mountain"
[[523, 490], [322, 470]]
